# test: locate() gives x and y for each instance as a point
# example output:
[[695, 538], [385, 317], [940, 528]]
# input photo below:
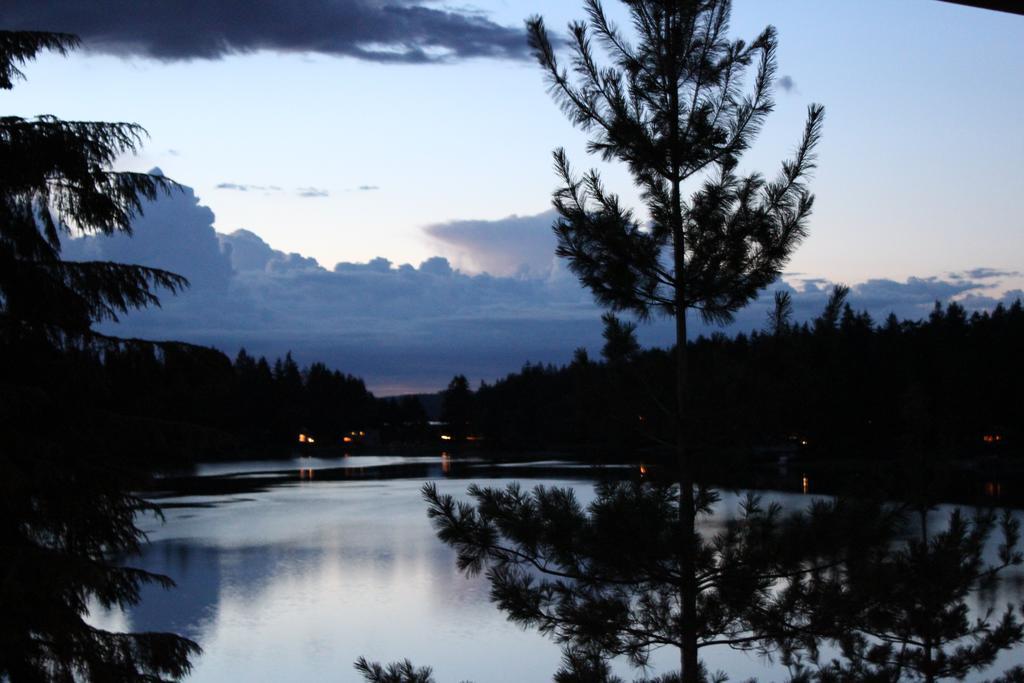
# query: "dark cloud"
[[523, 245], [394, 31], [241, 187], [411, 328], [982, 302], [787, 83], [987, 273], [917, 292], [301, 191]]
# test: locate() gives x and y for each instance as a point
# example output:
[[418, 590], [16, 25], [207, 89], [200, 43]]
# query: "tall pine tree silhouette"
[[672, 108], [65, 452]]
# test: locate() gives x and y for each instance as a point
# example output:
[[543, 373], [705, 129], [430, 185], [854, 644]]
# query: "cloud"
[[301, 191], [396, 31], [788, 84], [813, 284], [367, 188], [405, 327], [248, 252], [986, 274], [174, 233], [910, 299], [982, 302], [240, 187], [523, 245], [401, 327]]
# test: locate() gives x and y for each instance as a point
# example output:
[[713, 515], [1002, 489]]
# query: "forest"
[[838, 386]]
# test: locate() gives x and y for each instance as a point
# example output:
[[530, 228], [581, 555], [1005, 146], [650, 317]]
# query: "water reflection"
[[284, 586], [217, 469], [296, 581]]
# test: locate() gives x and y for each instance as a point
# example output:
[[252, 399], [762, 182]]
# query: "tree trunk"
[[689, 662], [687, 514], [929, 664]]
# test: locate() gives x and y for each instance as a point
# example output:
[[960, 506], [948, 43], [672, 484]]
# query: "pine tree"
[[457, 407], [911, 618], [904, 613], [603, 579], [396, 672], [671, 108], [780, 318], [66, 466]]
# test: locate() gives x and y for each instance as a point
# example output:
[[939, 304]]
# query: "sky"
[[369, 182]]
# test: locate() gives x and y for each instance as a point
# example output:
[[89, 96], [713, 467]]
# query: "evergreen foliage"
[[456, 406], [849, 387], [908, 618], [603, 579], [396, 672], [222, 409], [56, 180], [781, 315], [900, 380], [65, 468], [672, 107], [902, 613]]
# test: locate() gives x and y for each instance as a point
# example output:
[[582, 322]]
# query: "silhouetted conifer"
[[66, 452], [457, 406], [670, 106], [620, 345], [603, 579], [396, 672], [781, 316], [903, 612]]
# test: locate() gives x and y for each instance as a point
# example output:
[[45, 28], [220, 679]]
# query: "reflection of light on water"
[[446, 463], [805, 484], [306, 472], [643, 470], [993, 489], [287, 583]]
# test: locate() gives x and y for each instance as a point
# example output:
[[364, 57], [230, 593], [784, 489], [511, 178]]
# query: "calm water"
[[297, 581]]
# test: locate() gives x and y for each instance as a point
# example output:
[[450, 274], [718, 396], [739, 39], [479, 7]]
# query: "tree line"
[[248, 407], [839, 385]]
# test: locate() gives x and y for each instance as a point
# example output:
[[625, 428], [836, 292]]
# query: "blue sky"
[[329, 147]]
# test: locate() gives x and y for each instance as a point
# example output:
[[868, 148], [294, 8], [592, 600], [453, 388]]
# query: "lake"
[[288, 578]]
